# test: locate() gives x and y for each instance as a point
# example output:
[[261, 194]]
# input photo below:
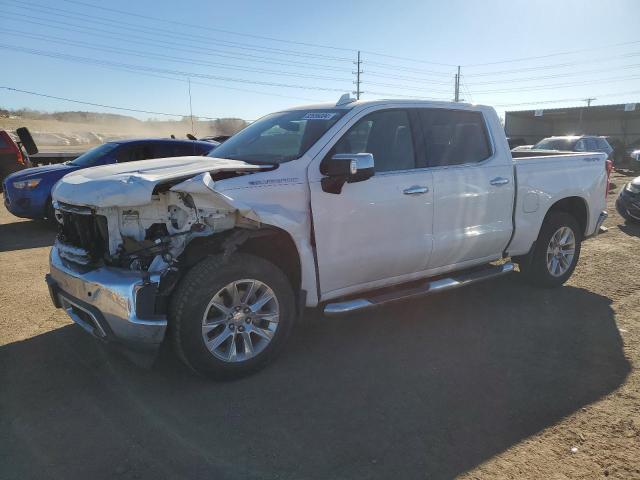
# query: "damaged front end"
[[113, 267]]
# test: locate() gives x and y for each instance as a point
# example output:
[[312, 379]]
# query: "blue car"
[[27, 193]]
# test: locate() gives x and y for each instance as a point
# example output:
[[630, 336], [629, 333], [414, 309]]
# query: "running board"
[[427, 288]]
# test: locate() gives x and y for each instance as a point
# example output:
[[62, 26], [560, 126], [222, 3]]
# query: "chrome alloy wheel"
[[560, 252], [240, 320]]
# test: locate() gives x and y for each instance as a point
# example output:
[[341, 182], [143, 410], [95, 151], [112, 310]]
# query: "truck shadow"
[[422, 389], [21, 235]]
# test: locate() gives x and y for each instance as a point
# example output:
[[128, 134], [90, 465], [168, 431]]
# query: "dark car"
[[628, 202], [573, 143], [12, 158], [27, 193]]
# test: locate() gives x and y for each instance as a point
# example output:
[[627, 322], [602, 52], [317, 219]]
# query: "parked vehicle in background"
[[521, 148], [328, 205], [27, 193], [516, 142], [218, 139], [632, 156], [572, 143], [13, 157], [628, 202]]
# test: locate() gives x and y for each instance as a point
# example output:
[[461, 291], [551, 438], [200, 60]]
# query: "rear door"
[[377, 231], [473, 188]]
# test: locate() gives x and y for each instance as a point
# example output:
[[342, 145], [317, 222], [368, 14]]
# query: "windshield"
[[555, 144], [278, 137], [95, 156]]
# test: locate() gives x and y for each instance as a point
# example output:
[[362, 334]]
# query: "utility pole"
[[456, 97], [190, 106], [357, 73], [589, 100]]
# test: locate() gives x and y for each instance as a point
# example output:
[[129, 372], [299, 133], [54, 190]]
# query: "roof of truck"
[[361, 103]]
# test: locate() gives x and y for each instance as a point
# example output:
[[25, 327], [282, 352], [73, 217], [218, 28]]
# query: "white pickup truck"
[[344, 206]]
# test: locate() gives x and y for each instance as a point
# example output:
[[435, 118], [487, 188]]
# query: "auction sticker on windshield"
[[319, 116]]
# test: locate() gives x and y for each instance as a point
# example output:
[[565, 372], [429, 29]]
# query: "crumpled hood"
[[131, 184]]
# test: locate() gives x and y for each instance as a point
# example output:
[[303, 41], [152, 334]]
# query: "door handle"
[[415, 190], [499, 181]]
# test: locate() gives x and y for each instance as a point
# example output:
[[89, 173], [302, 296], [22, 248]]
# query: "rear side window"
[[592, 145], [386, 135], [454, 137], [603, 145]]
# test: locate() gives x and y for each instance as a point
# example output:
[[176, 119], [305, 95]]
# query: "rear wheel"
[[231, 318], [556, 252]]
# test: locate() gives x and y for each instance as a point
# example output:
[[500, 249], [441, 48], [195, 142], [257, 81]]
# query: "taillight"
[[609, 167]]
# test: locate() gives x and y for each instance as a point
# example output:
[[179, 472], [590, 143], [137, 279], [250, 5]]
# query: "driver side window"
[[386, 135]]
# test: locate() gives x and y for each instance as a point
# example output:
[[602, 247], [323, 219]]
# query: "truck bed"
[[542, 179]]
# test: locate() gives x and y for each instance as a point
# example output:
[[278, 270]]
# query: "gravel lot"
[[498, 380]]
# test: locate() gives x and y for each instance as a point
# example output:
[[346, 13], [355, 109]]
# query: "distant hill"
[[77, 128]]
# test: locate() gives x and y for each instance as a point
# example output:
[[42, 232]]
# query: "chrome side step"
[[426, 288]]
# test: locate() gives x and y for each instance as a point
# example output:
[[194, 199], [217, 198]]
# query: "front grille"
[[85, 231]]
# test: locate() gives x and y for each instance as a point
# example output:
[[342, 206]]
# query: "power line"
[[376, 73], [466, 89], [307, 44], [223, 43], [408, 59], [557, 75], [121, 24], [555, 65], [538, 57], [541, 102], [151, 55], [405, 87], [559, 85], [218, 30], [86, 60], [102, 105], [409, 69], [172, 46], [391, 95], [175, 22]]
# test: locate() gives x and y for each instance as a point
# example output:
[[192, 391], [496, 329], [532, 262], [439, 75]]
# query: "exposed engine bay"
[[150, 237]]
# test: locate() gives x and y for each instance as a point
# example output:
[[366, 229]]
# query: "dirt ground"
[[498, 380]]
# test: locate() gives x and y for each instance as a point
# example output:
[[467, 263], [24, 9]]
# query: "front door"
[[379, 230]]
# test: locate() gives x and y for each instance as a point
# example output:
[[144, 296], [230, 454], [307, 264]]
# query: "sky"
[[248, 58]]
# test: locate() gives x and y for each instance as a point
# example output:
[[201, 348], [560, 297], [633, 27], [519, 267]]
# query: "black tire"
[[195, 291], [534, 265]]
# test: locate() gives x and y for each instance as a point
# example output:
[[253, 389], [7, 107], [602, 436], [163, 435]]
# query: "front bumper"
[[23, 204], [628, 206], [112, 304]]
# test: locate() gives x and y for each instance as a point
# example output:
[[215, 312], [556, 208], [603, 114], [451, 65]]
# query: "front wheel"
[[231, 317], [556, 251]]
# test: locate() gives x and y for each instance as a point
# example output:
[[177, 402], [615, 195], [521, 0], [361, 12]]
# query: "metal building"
[[620, 122]]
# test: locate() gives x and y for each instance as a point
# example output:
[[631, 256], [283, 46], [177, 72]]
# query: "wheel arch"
[[575, 206], [270, 243]]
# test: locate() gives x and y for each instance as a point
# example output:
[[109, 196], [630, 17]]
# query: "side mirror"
[[344, 168], [27, 140]]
